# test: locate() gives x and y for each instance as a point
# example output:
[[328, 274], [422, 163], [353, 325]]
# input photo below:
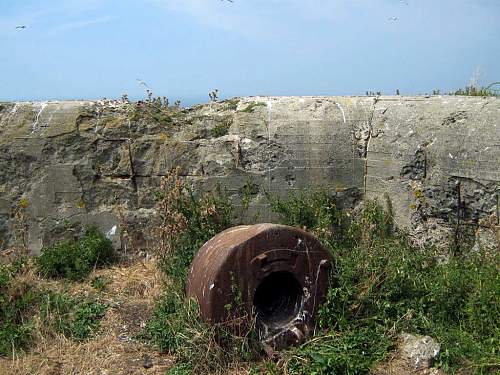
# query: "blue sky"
[[90, 49]]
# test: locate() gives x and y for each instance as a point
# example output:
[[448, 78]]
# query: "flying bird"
[[20, 27], [392, 19], [141, 82]]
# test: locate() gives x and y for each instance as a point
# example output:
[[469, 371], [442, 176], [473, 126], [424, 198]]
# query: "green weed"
[[316, 212], [76, 259], [16, 304], [474, 90], [75, 318], [232, 104], [251, 107], [187, 222], [221, 129], [180, 369], [382, 286], [99, 283], [177, 328], [20, 303]]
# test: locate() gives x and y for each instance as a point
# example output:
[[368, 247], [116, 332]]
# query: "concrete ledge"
[[436, 158]]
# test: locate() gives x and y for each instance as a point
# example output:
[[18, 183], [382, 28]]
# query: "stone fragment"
[[421, 351]]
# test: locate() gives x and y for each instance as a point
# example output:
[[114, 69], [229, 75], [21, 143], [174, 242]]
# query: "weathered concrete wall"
[[436, 158]]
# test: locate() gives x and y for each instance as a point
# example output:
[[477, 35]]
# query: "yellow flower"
[[24, 202]]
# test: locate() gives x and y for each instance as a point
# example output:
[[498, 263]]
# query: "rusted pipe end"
[[268, 275]]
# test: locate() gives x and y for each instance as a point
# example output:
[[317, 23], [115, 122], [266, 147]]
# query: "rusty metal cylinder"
[[270, 276]]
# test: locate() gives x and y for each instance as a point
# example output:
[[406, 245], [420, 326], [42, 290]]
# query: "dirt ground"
[[130, 292], [396, 365]]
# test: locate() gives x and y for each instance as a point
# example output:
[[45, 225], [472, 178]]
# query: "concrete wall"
[[70, 163]]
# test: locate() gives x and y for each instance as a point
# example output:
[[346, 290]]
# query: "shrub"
[[381, 285], [318, 213], [221, 129], [187, 222], [76, 259]]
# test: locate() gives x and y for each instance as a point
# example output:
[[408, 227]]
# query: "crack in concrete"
[[367, 145], [132, 170]]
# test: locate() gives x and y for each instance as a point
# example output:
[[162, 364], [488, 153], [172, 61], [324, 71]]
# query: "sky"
[[183, 49]]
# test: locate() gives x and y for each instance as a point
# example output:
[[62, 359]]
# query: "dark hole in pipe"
[[277, 299]]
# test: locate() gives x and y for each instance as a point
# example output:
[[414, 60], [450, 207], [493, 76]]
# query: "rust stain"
[[270, 276]]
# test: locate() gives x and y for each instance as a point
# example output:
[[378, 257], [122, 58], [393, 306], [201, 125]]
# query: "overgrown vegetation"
[[221, 128], [25, 308], [74, 260], [250, 108], [15, 303], [175, 326], [75, 318], [199, 348], [232, 104], [186, 223], [380, 286], [475, 90]]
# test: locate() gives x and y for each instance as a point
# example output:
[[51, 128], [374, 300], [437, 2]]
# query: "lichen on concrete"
[[78, 161]]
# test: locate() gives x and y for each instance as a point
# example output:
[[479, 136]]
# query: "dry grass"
[[397, 365], [130, 291]]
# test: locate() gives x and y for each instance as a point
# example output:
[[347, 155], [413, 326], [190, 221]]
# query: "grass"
[[74, 317], [232, 104], [22, 303], [15, 312], [131, 287], [473, 90], [188, 221], [176, 328], [380, 287]]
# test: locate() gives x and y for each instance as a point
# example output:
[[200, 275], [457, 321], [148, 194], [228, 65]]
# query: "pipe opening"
[[277, 299]]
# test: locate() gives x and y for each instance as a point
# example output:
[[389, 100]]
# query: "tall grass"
[[380, 287]]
